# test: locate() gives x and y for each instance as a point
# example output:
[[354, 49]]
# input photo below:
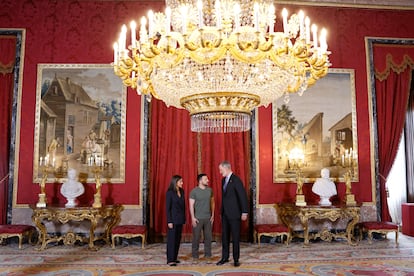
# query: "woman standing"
[[175, 218]]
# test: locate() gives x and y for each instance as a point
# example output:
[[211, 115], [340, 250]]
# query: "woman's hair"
[[173, 182]]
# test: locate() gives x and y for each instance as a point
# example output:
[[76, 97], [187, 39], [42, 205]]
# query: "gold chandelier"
[[220, 60]]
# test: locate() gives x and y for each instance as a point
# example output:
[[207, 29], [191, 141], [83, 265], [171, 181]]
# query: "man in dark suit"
[[234, 209]]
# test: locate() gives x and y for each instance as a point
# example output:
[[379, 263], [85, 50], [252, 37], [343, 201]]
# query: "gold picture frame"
[[80, 122], [317, 130]]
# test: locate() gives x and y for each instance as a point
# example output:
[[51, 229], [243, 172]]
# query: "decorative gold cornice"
[[6, 68], [392, 65]]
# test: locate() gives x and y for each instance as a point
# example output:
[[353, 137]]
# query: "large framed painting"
[[80, 121], [317, 130]]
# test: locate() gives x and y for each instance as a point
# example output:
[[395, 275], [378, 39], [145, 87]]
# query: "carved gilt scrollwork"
[[351, 214], [109, 215]]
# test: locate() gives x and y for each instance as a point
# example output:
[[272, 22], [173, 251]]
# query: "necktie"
[[226, 181]]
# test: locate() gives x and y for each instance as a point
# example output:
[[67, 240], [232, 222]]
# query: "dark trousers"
[[230, 226], [205, 226], [173, 242]]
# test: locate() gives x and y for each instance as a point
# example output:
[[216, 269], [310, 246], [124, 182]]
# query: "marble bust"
[[324, 187], [71, 189]]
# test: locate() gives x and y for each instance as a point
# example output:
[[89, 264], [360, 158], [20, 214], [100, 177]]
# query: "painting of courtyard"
[[317, 130]]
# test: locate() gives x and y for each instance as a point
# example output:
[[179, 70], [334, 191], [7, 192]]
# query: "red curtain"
[[234, 147], [392, 84], [174, 149], [7, 59]]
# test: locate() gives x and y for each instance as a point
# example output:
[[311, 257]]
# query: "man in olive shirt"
[[202, 215]]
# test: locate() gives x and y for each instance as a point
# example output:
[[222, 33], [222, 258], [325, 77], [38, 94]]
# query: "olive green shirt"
[[202, 202]]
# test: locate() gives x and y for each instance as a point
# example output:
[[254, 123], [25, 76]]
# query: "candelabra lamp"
[[97, 199], [349, 196], [297, 162], [300, 197], [46, 170]]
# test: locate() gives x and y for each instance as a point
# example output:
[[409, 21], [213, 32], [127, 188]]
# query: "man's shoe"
[[177, 261], [236, 263], [222, 262]]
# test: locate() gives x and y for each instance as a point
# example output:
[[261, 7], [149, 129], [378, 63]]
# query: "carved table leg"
[[305, 224], [92, 233], [350, 228], [42, 231]]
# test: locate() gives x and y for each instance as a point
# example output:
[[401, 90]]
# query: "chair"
[[381, 227], [17, 230], [272, 230], [128, 232]]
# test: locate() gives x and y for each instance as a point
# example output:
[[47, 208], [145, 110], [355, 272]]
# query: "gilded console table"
[[110, 216], [288, 212]]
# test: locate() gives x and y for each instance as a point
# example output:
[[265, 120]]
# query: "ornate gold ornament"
[[289, 213], [96, 164], [220, 60], [107, 216], [47, 166]]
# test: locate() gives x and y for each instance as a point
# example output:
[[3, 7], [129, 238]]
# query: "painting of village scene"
[[80, 122], [317, 130]]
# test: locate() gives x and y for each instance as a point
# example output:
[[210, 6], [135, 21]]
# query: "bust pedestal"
[[324, 201], [71, 202]]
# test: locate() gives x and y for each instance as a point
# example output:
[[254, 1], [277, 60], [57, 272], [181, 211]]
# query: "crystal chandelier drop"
[[220, 60]]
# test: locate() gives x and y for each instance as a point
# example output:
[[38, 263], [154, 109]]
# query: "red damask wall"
[[72, 32], [83, 32]]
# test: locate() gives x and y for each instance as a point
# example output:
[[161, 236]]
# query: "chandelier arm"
[[202, 41], [277, 53], [200, 57], [317, 74], [217, 42], [154, 51], [295, 88], [243, 57], [255, 44], [267, 46], [152, 91]]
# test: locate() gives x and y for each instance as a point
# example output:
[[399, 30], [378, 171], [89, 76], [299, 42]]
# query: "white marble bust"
[[71, 189], [324, 187]]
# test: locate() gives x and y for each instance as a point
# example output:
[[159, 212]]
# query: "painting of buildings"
[[315, 132], [80, 120]]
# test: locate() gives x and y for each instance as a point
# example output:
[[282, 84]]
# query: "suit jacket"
[[175, 207], [234, 199]]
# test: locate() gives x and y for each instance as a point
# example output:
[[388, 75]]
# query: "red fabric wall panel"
[[84, 31]]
